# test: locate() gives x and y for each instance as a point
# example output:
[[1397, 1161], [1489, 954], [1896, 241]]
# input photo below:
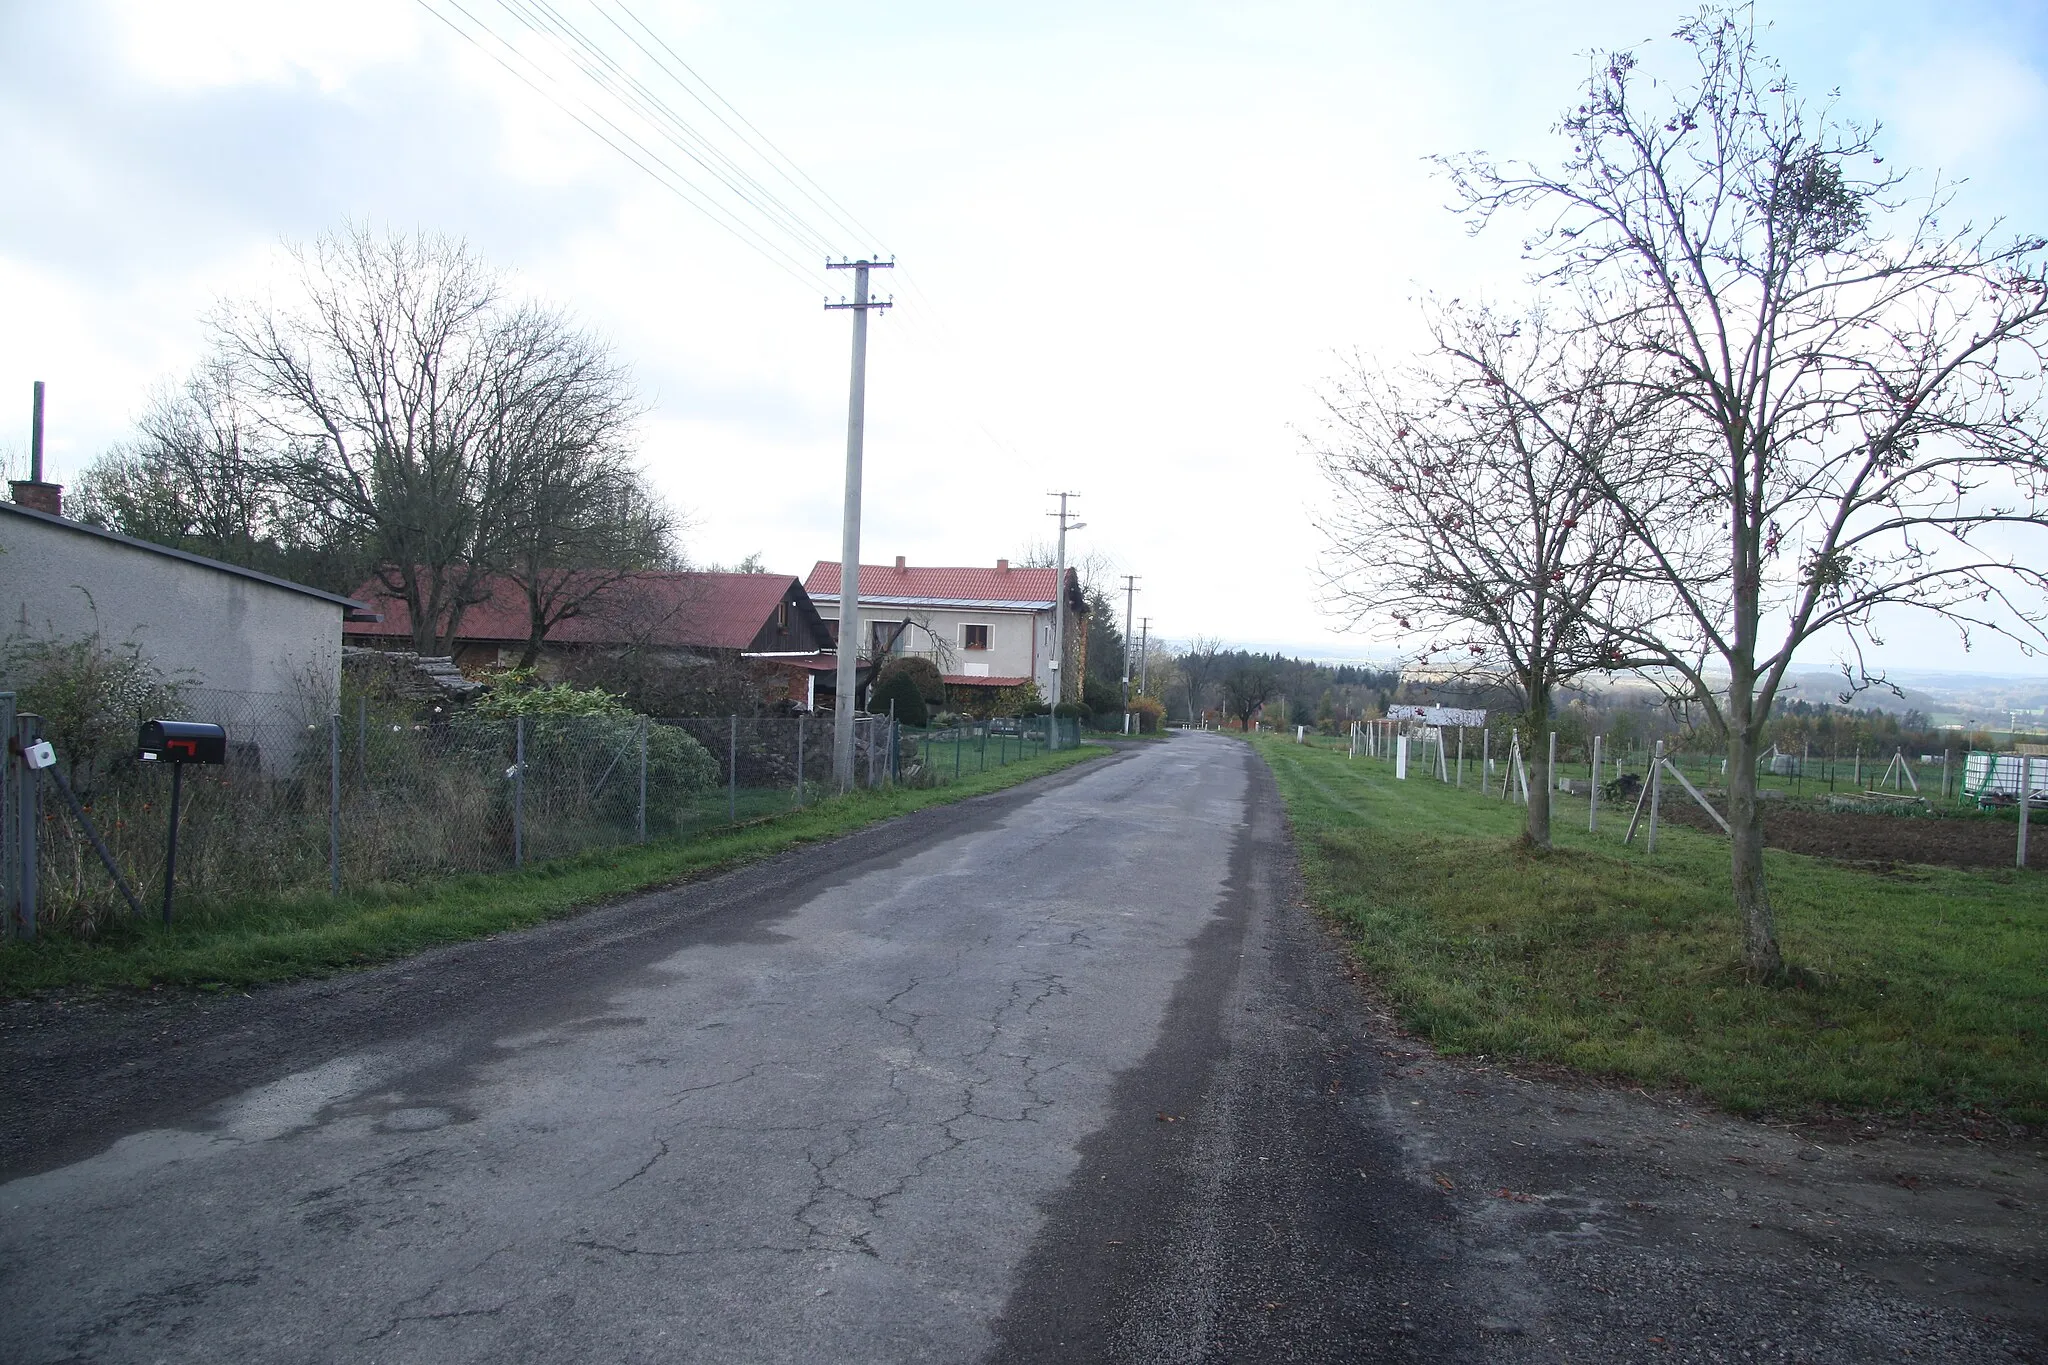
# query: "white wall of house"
[[1019, 642], [205, 624]]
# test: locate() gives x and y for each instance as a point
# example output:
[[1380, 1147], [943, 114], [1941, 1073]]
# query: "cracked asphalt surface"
[[1063, 1073]]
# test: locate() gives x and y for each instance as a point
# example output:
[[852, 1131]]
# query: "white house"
[[982, 627]]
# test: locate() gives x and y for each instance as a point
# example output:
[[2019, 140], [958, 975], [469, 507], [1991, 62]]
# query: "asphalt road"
[[1060, 1074]]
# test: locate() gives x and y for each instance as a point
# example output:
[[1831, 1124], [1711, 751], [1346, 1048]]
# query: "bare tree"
[[1470, 527], [582, 523], [1199, 667], [1246, 689], [1850, 388], [411, 398], [195, 475]]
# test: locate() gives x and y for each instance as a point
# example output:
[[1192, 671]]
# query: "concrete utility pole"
[[1059, 606], [1130, 592], [849, 544]]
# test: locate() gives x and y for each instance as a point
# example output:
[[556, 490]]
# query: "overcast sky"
[[1137, 237]]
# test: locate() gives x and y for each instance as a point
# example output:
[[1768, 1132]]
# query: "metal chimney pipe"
[[35, 438]]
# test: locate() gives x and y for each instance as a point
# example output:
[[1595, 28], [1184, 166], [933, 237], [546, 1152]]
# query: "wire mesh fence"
[[313, 803]]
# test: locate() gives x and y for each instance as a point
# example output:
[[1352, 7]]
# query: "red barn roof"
[[664, 610], [999, 586]]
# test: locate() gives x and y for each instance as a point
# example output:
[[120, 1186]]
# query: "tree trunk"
[[1760, 954], [1535, 755]]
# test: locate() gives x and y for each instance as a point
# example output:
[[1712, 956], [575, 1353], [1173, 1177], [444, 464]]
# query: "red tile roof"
[[667, 610], [929, 584]]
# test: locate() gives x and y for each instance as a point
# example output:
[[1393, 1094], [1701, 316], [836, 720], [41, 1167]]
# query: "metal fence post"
[[2026, 791], [26, 814], [802, 721], [519, 791], [171, 840], [732, 773], [10, 844], [642, 817], [1656, 791], [334, 804], [1593, 803]]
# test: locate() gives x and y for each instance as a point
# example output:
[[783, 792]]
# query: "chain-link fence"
[[307, 804]]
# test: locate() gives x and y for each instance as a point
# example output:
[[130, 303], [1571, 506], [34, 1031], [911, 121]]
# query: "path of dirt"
[[1854, 837]]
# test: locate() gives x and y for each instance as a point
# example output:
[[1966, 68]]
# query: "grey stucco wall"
[[215, 629]]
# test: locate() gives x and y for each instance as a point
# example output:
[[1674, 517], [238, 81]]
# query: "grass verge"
[[244, 943], [1922, 991]]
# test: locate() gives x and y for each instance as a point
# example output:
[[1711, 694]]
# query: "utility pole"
[[1059, 616], [1130, 592], [1144, 655], [849, 544]]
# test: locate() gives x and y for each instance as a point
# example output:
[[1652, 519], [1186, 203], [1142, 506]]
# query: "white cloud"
[[196, 45], [1955, 106], [1146, 230]]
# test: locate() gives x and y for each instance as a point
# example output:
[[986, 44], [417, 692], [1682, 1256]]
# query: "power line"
[[774, 155], [721, 164], [675, 181], [612, 76]]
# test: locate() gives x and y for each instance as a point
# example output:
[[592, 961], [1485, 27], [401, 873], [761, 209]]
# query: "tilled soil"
[[1853, 837]]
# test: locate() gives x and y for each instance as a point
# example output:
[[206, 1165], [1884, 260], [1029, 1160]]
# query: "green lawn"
[[1923, 991], [242, 943]]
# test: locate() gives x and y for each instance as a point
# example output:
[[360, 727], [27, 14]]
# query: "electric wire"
[[675, 181], [771, 225], [774, 155], [609, 74]]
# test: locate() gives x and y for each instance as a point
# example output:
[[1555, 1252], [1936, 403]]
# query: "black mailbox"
[[182, 741]]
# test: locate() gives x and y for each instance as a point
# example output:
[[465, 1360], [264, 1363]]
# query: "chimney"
[[42, 497], [1002, 566], [899, 565], [32, 491]]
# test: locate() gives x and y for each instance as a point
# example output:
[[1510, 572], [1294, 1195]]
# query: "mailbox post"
[[179, 742]]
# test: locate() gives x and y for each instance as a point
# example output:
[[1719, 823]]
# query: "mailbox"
[[182, 741]]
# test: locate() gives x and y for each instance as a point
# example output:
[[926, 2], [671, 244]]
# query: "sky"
[[1135, 240]]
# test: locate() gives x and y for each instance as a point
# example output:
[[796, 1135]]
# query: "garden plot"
[[1873, 837]]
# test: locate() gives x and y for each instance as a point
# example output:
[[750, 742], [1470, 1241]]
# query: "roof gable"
[[737, 611], [352, 610], [922, 583]]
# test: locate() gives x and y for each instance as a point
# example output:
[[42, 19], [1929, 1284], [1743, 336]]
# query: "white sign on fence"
[[1437, 715]]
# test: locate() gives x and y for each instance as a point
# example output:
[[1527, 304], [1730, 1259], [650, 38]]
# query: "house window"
[[782, 617], [882, 635], [974, 637]]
